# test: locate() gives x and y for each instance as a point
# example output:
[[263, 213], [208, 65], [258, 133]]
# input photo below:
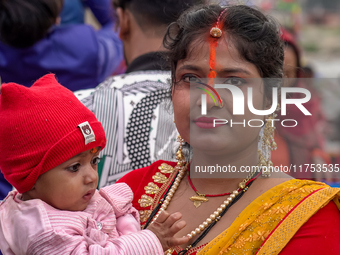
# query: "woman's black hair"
[[297, 56], [255, 35], [24, 22]]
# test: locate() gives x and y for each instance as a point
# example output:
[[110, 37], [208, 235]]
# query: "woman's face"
[[289, 67], [198, 129]]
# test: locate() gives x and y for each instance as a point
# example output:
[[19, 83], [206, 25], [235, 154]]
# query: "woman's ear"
[[267, 104]]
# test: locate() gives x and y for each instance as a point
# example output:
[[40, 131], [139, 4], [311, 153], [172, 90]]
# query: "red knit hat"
[[42, 127]]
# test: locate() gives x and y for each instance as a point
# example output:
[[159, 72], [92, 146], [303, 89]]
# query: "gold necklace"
[[182, 169], [199, 198], [215, 216], [182, 166]]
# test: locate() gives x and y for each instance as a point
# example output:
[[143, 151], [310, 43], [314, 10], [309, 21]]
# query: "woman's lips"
[[208, 122], [89, 194]]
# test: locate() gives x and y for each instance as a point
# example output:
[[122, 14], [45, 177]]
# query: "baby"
[[50, 144]]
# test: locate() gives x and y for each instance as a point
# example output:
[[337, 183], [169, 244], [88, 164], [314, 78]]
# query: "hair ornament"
[[216, 30]]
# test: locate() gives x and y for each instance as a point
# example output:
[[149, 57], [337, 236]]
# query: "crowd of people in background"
[[34, 43]]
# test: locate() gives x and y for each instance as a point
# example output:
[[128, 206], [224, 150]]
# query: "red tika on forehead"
[[212, 57], [94, 150], [215, 32]]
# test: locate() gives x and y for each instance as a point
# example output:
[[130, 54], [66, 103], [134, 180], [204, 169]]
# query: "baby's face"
[[71, 185]]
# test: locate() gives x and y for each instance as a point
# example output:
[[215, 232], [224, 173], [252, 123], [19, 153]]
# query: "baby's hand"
[[166, 226]]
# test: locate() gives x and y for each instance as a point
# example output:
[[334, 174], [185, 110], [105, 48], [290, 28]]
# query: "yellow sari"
[[270, 221]]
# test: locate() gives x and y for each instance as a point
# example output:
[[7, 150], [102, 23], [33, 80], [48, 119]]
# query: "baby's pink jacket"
[[34, 227]]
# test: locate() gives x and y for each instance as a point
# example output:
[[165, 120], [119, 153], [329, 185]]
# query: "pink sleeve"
[[127, 224], [52, 243], [120, 197]]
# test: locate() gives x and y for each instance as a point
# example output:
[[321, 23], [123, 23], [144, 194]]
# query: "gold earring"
[[268, 144], [179, 154]]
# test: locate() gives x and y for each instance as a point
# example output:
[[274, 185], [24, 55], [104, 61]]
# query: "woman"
[[304, 144], [241, 47]]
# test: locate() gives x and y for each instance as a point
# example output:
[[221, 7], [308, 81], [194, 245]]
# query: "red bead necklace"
[[200, 198]]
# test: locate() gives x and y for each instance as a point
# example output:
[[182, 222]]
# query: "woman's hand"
[[166, 226]]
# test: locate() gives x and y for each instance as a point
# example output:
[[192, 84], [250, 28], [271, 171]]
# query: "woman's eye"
[[95, 161], [73, 168], [235, 81], [190, 78]]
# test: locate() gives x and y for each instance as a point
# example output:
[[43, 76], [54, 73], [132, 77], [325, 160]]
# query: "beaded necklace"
[[206, 226]]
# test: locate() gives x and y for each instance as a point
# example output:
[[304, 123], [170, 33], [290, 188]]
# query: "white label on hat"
[[87, 132]]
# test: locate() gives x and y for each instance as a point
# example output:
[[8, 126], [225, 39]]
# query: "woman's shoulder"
[[322, 229], [145, 171], [148, 184], [137, 177], [282, 181]]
